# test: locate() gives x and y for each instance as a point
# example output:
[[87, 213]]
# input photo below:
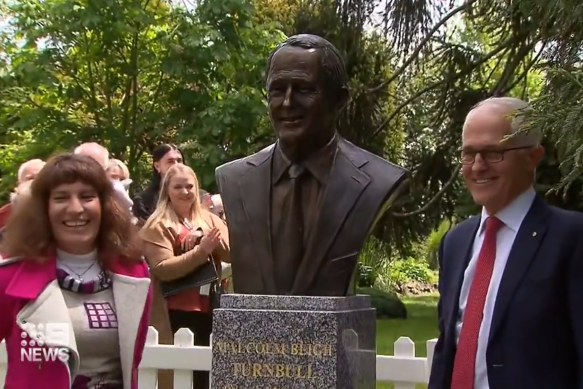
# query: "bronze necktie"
[[290, 232]]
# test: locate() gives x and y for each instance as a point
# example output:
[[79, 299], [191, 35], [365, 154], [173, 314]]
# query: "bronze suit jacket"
[[360, 188]]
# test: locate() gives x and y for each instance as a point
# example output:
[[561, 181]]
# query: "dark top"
[[536, 335], [145, 204]]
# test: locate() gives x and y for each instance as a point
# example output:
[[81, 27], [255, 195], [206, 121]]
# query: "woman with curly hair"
[[72, 262]]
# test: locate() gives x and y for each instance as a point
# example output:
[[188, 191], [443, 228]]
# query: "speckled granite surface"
[[290, 342]]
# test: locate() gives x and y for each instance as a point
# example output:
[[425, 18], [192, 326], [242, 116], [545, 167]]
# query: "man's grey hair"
[[22, 190], [515, 109], [91, 149], [26, 164]]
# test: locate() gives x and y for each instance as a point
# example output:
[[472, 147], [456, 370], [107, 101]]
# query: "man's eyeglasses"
[[468, 157]]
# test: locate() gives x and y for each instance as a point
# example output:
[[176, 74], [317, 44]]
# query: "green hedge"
[[388, 305]]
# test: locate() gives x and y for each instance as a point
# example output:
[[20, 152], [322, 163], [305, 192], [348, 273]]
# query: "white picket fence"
[[404, 369]]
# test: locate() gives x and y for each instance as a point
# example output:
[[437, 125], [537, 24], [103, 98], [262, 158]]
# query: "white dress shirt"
[[512, 217]]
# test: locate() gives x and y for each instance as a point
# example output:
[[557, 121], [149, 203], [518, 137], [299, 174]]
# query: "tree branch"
[[418, 49], [468, 70], [449, 183]]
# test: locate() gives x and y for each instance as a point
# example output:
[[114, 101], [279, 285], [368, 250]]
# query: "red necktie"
[[465, 358]]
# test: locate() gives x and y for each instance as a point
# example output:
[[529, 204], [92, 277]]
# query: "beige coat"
[[159, 242]]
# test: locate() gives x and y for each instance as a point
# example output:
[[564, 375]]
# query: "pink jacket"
[[30, 295]]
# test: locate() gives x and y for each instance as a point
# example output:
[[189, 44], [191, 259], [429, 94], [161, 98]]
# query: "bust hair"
[[331, 61], [28, 230]]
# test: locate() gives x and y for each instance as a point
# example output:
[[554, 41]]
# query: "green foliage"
[[405, 271], [387, 304], [130, 75], [373, 262], [432, 242]]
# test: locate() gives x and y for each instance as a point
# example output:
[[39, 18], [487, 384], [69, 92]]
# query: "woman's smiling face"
[[74, 212]]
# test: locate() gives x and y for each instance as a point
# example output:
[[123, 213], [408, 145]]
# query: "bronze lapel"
[[345, 185], [255, 192]]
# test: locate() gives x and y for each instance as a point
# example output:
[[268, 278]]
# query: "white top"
[[512, 217], [82, 267], [120, 188]]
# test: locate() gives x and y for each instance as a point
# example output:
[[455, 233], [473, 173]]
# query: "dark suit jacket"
[[536, 336], [360, 186]]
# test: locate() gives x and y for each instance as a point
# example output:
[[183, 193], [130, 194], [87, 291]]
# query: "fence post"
[[404, 347], [183, 378], [148, 378], [430, 351]]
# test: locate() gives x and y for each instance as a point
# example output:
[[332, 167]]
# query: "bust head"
[[307, 86]]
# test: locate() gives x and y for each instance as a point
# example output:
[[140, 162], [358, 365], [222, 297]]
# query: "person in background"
[[95, 151], [511, 279], [165, 156], [21, 192], [26, 172], [101, 155], [175, 247], [72, 258], [117, 170], [205, 199], [119, 174], [29, 170], [217, 206]]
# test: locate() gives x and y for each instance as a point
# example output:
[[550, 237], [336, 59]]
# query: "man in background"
[[101, 155], [95, 151], [26, 172], [217, 206], [205, 199]]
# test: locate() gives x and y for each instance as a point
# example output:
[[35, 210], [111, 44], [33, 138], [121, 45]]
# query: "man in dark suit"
[[299, 211], [511, 279]]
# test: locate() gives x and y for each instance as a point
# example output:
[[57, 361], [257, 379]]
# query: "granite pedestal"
[[292, 342]]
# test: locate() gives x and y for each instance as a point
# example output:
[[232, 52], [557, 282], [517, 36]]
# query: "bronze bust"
[[300, 210]]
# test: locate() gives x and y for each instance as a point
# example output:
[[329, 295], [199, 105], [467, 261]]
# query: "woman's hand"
[[210, 241], [191, 240]]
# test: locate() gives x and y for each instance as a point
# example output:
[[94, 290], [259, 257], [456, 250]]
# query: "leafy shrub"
[[404, 271], [367, 276], [373, 262], [433, 241], [388, 305]]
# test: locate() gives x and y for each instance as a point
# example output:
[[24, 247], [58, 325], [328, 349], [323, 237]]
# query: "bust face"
[[303, 117]]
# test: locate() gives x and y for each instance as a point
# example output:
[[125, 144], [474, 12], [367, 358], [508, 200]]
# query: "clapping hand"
[[210, 241], [191, 240]]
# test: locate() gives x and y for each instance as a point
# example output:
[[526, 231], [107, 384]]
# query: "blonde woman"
[[117, 170], [179, 238]]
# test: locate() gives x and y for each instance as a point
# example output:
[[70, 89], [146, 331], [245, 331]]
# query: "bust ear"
[[342, 98]]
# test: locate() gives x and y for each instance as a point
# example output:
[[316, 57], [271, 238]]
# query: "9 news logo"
[[37, 340]]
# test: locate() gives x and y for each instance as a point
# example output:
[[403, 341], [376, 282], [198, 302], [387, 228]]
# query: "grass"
[[420, 327]]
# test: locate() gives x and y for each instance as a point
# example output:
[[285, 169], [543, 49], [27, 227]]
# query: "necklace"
[[80, 276]]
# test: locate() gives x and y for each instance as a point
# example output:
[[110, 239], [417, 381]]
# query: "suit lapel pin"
[[534, 233]]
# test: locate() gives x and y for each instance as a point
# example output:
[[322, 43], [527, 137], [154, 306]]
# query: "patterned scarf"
[[71, 283]]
